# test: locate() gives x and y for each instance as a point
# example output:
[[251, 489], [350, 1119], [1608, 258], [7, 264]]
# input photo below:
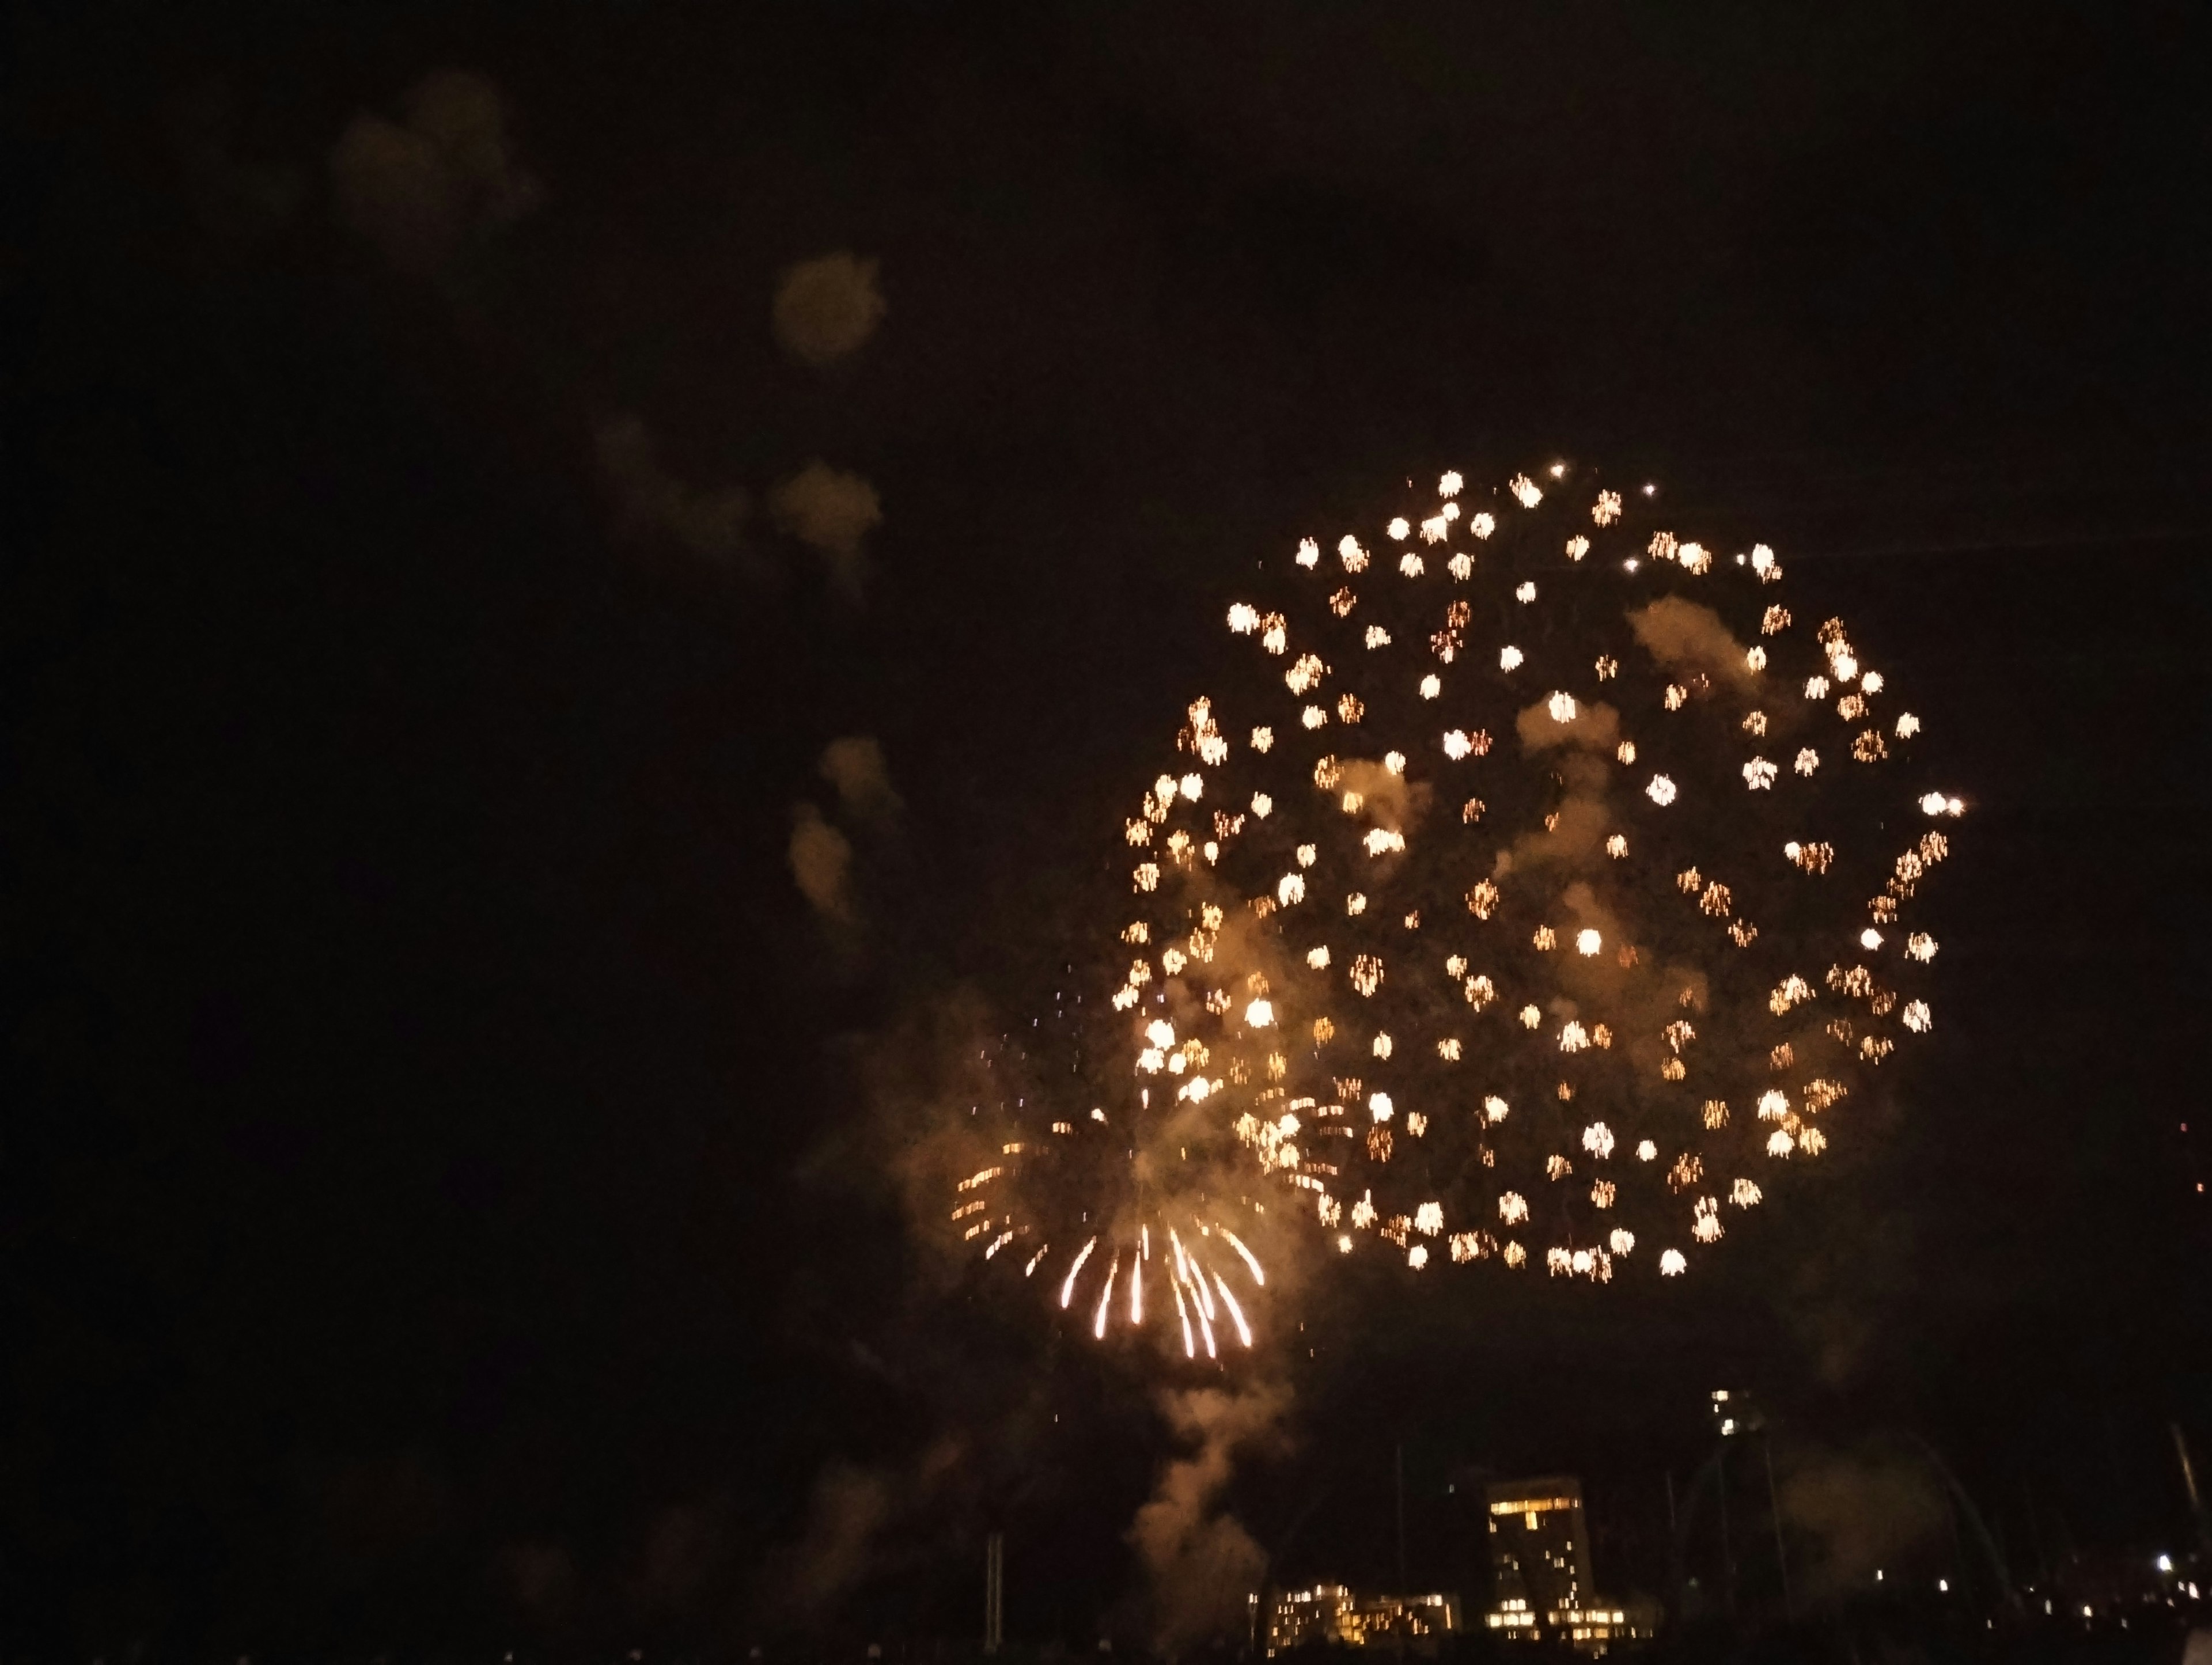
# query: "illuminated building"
[[1333, 1615], [1735, 1411], [1539, 1547], [1540, 1568]]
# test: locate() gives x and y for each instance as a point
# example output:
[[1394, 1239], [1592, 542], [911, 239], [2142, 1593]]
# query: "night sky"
[[445, 1184]]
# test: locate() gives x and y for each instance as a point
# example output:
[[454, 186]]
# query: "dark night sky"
[[431, 1205]]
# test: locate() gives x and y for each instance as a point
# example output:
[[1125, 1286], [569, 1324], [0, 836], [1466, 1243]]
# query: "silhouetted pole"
[[1674, 1545], [2189, 1483], [995, 1591], [1400, 1626], [1781, 1555], [2035, 1533], [1728, 1547], [1401, 1518]]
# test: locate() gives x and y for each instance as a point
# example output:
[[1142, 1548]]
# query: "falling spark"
[[1235, 1312], [1246, 1256], [1068, 1289]]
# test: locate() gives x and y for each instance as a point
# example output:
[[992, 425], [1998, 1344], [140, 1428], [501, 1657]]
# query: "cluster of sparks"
[[1534, 891]]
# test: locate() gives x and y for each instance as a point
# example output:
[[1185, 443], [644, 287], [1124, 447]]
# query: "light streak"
[[1235, 1312], [1250, 1259], [1068, 1289]]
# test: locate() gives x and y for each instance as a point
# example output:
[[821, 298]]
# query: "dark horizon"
[[445, 1197]]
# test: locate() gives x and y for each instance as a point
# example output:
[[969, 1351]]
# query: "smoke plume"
[[1593, 727], [831, 512], [826, 308], [1683, 636], [849, 1505], [822, 863], [649, 500], [1874, 1507], [1200, 1563], [421, 187], [854, 765]]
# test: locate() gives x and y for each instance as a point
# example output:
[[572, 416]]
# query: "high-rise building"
[[1538, 1547], [1539, 1569]]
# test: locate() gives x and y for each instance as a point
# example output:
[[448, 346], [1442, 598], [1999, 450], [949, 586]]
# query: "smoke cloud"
[[1683, 636], [540, 1581], [854, 765], [849, 1506], [822, 863], [1389, 800], [1202, 1564], [850, 1509], [651, 501], [831, 512], [1874, 1507], [1593, 727], [826, 308], [421, 187]]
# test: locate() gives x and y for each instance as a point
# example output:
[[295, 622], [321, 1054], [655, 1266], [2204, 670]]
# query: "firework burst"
[[1530, 888]]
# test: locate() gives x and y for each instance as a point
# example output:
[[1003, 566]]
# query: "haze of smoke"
[[686, 1554], [651, 500], [826, 308], [850, 1507], [1593, 727], [540, 1579], [854, 765], [1585, 815], [421, 187], [921, 1074], [1684, 636], [1862, 1509], [1392, 800], [1199, 1565], [832, 511], [822, 863]]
